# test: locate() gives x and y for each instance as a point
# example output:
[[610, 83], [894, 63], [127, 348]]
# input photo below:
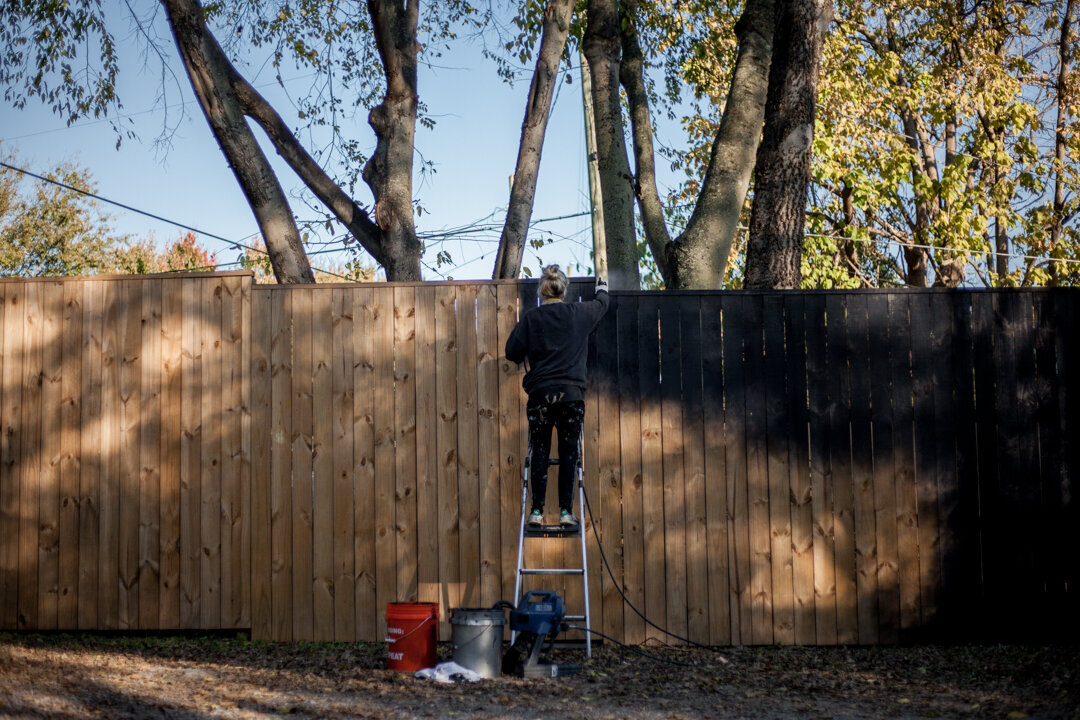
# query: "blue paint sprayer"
[[536, 620]]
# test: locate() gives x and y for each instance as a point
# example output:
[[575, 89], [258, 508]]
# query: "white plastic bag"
[[449, 672]]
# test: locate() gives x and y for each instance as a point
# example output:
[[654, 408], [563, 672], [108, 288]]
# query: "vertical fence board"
[[1018, 491], [427, 479], [607, 603], [91, 440], [446, 362], [170, 442], [244, 465], [905, 498], [261, 383], [511, 466], [630, 448], [1024, 489], [468, 470], [961, 545], [130, 399], [881, 334], [405, 440], [487, 405], [322, 466], [779, 394], [344, 567], [1068, 353], [735, 329], [1053, 567], [149, 476], [840, 467], [997, 503], [367, 610], [10, 397], [108, 546], [862, 466], [696, 518], [757, 474], [210, 589], [821, 493], [714, 482], [71, 451], [30, 457], [984, 344], [234, 462], [539, 554], [48, 481], [281, 370], [927, 359], [382, 313], [802, 514], [652, 462], [10, 454], [303, 432], [190, 455], [674, 483]]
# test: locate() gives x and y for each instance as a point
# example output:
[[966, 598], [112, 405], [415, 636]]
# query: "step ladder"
[[549, 531]]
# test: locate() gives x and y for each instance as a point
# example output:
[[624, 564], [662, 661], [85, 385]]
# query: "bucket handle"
[[391, 641]]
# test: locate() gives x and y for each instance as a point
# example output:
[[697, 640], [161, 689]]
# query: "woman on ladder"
[[553, 339]]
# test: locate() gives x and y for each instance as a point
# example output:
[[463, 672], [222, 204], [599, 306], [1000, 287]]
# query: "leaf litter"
[[70, 676]]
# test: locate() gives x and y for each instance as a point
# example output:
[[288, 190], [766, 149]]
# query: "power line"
[[145, 213]]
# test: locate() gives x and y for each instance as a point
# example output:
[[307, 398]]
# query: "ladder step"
[[551, 571], [553, 531]]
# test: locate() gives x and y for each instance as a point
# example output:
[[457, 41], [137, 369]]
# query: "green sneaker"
[[567, 518], [536, 518]]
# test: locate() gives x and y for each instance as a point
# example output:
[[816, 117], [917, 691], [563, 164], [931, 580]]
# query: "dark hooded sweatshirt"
[[554, 339]]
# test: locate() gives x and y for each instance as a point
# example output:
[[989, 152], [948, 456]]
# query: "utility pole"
[[595, 197]]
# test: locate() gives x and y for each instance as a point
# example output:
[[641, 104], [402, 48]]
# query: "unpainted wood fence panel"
[[843, 467], [112, 514]]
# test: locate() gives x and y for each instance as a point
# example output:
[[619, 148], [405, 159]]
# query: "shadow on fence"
[[809, 468]]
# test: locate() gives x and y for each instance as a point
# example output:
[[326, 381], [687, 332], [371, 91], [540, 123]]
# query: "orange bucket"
[[411, 630]]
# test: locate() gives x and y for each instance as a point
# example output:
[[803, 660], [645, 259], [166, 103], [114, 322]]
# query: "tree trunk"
[[557, 16], [389, 170], [1001, 244], [632, 77], [848, 250], [915, 254], [1061, 99], [603, 50], [782, 171], [699, 257], [210, 74]]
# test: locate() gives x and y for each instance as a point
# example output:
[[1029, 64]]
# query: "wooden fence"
[[812, 468]]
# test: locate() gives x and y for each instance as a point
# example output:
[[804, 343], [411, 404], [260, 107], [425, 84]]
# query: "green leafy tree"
[[49, 230], [945, 145], [364, 56]]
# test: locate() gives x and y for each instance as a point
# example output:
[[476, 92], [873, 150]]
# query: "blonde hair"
[[553, 283]]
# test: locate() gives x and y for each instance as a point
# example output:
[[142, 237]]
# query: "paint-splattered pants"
[[567, 419]]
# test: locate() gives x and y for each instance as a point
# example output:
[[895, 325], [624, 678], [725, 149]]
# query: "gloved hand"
[[601, 285]]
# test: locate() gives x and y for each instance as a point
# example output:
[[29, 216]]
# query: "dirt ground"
[[196, 678]]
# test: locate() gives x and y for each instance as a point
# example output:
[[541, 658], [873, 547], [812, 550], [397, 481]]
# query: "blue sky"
[[473, 147]]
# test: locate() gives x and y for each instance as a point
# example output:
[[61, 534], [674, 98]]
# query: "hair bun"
[[552, 283]]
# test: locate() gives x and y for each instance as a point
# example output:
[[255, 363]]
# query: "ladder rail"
[[583, 571]]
